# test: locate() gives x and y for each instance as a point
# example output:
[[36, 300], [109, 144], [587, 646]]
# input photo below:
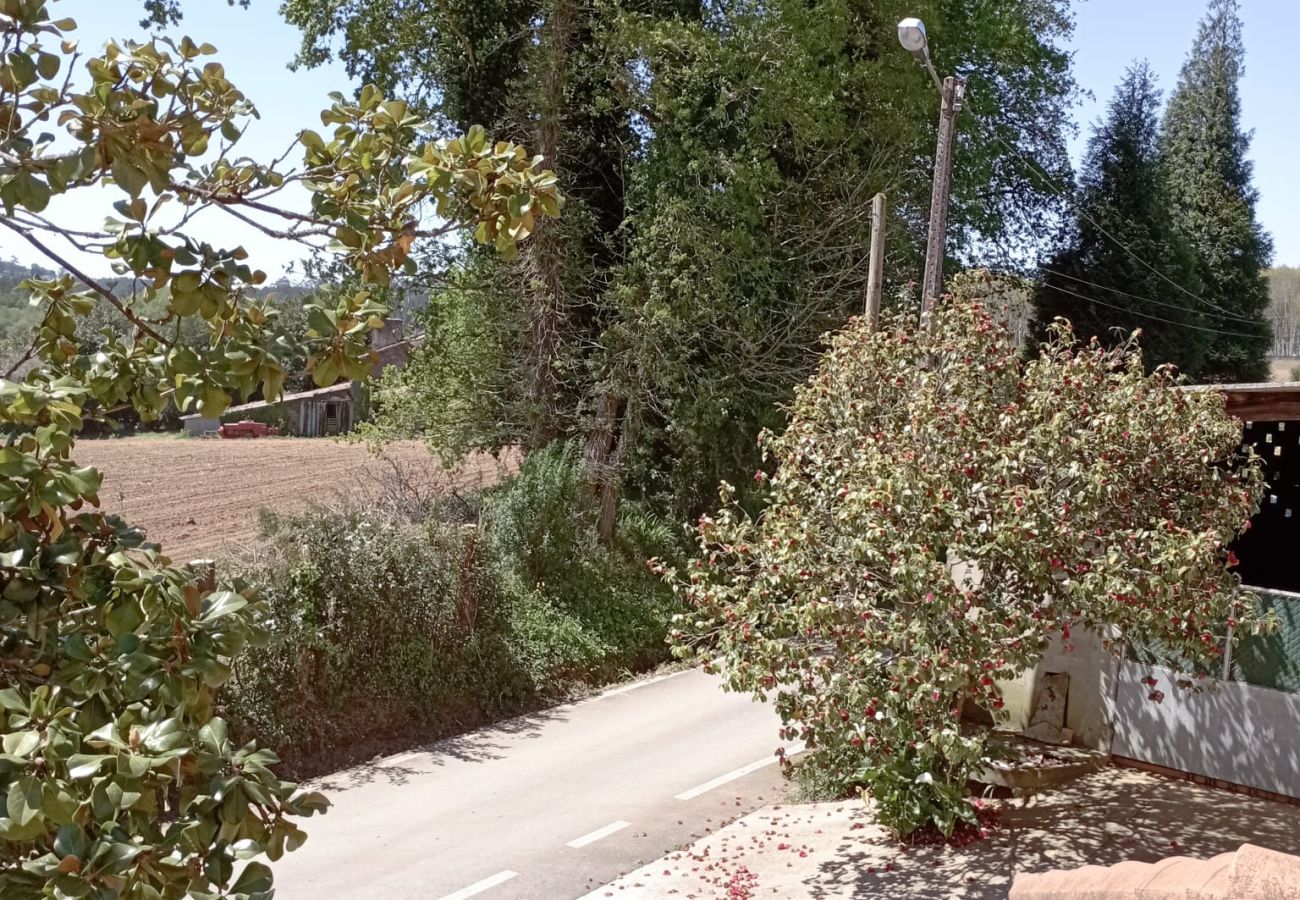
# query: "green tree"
[[119, 779], [1125, 267], [1205, 154], [939, 509], [721, 161], [773, 125]]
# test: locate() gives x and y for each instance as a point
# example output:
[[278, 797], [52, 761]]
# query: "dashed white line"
[[738, 773], [599, 833], [479, 887]]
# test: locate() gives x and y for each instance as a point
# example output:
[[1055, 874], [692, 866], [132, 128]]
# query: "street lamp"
[[911, 34]]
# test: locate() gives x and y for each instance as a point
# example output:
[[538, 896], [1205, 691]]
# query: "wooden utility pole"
[[876, 261], [954, 92]]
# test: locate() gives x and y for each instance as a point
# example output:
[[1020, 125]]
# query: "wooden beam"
[[1258, 402], [1259, 407]]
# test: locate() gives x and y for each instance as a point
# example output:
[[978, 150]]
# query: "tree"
[[120, 780], [721, 161], [938, 510], [1284, 310], [1125, 267], [1205, 155]]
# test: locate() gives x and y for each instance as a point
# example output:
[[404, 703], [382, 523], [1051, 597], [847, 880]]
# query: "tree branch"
[[226, 201], [85, 279]]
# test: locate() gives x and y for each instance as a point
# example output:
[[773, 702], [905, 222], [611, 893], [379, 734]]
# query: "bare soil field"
[[201, 497]]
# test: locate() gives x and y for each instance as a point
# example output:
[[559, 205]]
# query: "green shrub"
[[380, 624], [940, 509]]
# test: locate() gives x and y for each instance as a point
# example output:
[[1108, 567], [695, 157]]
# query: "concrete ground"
[[543, 806], [831, 850]]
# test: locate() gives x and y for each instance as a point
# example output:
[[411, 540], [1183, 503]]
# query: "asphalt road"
[[547, 806]]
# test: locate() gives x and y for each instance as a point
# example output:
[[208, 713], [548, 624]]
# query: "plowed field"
[[201, 497]]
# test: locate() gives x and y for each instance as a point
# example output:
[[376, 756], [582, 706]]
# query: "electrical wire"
[[1242, 319], [1078, 208], [1156, 318]]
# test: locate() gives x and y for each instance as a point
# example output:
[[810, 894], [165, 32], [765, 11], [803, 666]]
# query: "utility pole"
[[954, 93], [876, 261]]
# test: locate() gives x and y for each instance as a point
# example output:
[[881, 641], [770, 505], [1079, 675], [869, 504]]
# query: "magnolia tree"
[[939, 510], [117, 778]]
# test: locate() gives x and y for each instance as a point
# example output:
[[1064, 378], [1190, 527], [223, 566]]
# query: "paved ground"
[[545, 806], [833, 850]]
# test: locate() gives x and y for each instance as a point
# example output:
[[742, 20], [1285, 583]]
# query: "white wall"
[[1092, 683], [1231, 731]]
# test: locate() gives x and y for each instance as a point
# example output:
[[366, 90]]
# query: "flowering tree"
[[939, 510], [117, 777]]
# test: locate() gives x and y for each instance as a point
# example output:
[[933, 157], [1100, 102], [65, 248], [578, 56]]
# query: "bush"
[[382, 624], [939, 509]]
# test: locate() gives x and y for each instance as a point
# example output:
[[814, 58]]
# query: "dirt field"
[[199, 497]]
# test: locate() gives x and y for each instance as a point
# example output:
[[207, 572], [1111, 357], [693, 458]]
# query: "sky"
[[256, 46], [1111, 34]]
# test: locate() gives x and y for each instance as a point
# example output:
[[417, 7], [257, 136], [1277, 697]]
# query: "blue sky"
[[1110, 34], [256, 46]]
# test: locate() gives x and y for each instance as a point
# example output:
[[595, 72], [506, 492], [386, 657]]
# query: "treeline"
[[1164, 236], [19, 319], [719, 162], [1284, 310]]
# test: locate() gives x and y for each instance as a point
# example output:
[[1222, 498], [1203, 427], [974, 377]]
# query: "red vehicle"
[[247, 428]]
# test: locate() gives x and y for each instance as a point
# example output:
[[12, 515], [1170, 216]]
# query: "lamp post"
[[911, 34]]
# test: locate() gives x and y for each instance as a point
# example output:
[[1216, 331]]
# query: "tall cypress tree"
[[1125, 266], [1204, 152]]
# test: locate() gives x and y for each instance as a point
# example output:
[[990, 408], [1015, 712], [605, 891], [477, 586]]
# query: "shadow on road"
[[480, 746]]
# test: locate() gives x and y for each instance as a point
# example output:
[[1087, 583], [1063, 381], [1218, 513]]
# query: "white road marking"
[[479, 887], [598, 834], [738, 773]]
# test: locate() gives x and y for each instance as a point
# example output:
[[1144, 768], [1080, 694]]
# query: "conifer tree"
[[1204, 152], [1125, 267]]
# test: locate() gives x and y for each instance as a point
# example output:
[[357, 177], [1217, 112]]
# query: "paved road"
[[547, 806]]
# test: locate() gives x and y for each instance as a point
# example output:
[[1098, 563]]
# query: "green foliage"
[[1105, 289], [378, 623], [722, 159], [938, 511], [1206, 152], [459, 390], [120, 779]]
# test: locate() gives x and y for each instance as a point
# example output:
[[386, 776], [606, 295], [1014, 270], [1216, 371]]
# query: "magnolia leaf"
[[222, 603], [21, 743]]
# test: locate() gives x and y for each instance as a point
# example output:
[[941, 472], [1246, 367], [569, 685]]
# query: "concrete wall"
[[1092, 670], [1234, 732]]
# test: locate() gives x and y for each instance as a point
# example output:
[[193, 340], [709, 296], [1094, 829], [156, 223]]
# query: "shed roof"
[[344, 387]]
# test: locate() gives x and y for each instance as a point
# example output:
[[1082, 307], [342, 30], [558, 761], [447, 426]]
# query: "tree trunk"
[[600, 457], [543, 271]]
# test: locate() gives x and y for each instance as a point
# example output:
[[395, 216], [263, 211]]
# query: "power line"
[[1078, 208], [1151, 300], [1134, 312]]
